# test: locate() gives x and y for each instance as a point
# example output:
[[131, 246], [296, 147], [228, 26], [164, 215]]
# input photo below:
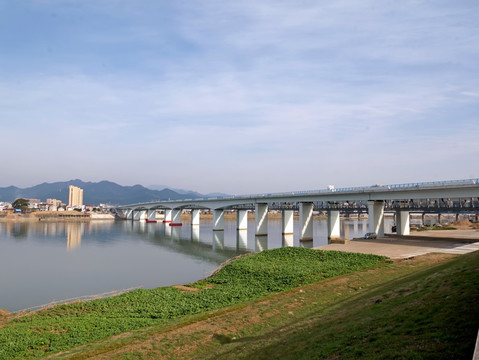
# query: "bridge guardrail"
[[372, 188]]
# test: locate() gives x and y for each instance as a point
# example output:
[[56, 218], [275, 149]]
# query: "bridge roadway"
[[455, 195]]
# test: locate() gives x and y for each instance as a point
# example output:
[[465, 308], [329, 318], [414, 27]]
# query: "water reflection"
[[306, 244], [218, 240], [114, 255], [288, 240], [74, 234], [195, 233], [175, 233], [242, 239], [261, 243]]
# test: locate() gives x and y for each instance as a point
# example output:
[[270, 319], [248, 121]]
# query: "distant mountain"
[[186, 192], [179, 191], [93, 193]]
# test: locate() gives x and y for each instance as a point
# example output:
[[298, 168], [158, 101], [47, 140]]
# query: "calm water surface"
[[44, 262]]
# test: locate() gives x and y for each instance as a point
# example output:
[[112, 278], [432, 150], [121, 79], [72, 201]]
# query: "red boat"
[[151, 221]]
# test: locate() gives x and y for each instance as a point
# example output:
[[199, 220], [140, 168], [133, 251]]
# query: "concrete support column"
[[287, 222], [167, 218], [176, 218], [402, 222], [195, 217], [376, 217], [261, 219], [139, 215], [334, 224], [218, 220], [152, 214], [242, 220], [439, 218], [306, 221], [128, 214]]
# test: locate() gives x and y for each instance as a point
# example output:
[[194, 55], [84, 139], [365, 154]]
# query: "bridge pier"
[[306, 221], [218, 219], [242, 220], [402, 222], [151, 215], [128, 214], [176, 218], [261, 219], [139, 215], [167, 218], [376, 217], [287, 222], [334, 222], [195, 217]]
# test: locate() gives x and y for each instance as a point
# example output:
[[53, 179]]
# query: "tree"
[[21, 204]]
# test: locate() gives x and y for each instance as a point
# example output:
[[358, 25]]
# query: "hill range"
[[94, 193]]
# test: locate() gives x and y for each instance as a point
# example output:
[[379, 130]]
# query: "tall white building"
[[75, 196]]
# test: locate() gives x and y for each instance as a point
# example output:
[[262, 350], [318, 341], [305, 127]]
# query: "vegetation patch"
[[435, 227], [247, 278]]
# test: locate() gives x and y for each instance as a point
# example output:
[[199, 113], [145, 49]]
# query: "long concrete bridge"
[[441, 196]]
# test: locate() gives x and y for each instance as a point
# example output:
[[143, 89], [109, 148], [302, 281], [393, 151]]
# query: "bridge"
[[458, 196]]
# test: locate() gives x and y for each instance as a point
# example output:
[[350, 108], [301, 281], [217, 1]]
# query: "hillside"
[[93, 193]]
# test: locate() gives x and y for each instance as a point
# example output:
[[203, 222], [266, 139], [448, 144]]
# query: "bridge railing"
[[372, 188], [377, 187]]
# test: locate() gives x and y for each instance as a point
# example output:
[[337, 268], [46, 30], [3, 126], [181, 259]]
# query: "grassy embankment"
[[248, 278], [422, 308]]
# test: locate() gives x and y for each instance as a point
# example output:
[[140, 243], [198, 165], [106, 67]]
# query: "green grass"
[[429, 314], [424, 228], [247, 278]]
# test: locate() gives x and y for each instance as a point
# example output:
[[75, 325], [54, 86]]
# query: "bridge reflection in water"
[[245, 240]]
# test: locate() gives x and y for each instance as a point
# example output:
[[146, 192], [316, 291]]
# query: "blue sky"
[[239, 97]]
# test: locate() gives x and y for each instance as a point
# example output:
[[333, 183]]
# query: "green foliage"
[[424, 228], [247, 278], [21, 204]]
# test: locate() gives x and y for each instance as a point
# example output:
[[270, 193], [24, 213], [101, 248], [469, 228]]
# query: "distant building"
[[34, 203], [75, 197], [54, 202]]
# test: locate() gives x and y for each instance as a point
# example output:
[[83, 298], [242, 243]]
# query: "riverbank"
[[55, 216], [248, 278], [414, 308]]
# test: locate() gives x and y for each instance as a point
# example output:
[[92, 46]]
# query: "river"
[[53, 261]]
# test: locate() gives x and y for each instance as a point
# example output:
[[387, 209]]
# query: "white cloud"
[[224, 96]]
